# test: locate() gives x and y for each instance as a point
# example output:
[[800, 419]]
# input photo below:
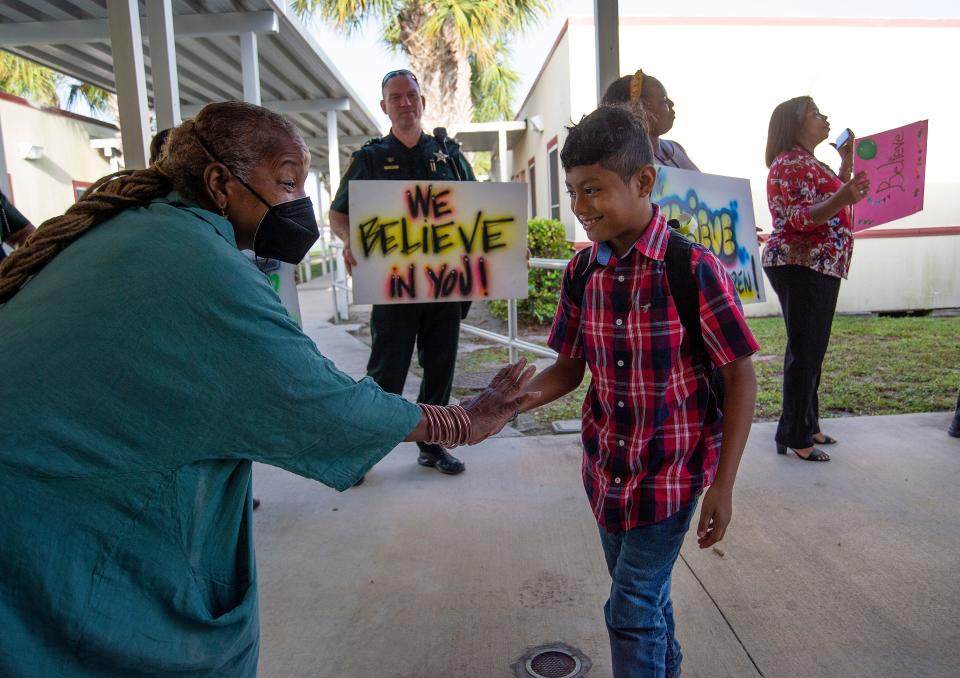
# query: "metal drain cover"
[[555, 660]]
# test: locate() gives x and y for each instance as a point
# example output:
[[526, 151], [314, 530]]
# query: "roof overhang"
[[296, 77]]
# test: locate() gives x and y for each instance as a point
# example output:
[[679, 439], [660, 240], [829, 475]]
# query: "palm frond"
[[28, 79], [97, 99], [491, 86], [481, 23], [478, 28], [347, 14]]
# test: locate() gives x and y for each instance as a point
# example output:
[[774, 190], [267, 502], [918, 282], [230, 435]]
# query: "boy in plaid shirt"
[[653, 437]]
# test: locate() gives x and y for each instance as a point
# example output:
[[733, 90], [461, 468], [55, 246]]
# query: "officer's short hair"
[[395, 74]]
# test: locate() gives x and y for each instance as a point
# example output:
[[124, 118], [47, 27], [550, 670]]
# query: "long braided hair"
[[241, 134]]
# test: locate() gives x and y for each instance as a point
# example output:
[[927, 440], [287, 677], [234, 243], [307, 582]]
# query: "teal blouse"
[[140, 373]]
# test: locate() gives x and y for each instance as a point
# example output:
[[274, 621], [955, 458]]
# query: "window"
[[553, 156], [533, 189], [79, 188]]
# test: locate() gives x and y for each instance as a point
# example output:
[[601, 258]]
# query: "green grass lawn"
[[873, 366]]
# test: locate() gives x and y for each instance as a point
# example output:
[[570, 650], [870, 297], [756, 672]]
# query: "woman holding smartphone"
[[805, 258]]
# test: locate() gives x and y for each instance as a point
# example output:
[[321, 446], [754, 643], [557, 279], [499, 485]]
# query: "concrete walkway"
[[845, 569]]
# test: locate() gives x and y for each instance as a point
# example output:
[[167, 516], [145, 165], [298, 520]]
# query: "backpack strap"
[[686, 292], [683, 287], [582, 270]]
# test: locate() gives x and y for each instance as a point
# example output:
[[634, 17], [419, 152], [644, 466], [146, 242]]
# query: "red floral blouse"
[[796, 182]]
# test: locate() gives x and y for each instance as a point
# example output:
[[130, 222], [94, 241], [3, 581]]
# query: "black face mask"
[[287, 231]]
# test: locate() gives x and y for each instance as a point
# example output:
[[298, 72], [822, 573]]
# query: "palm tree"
[[29, 79], [457, 48]]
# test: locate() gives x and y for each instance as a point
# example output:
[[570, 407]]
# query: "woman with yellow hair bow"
[[647, 97]]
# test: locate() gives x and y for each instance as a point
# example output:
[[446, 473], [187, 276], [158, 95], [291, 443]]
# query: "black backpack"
[[685, 293]]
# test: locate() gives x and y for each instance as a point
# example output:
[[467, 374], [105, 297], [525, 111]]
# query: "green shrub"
[[546, 240]]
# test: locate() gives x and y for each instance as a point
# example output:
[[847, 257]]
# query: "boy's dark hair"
[[613, 137]]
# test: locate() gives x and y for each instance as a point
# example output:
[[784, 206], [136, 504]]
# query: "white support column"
[[250, 70], [126, 45], [163, 64], [321, 204], [333, 153], [341, 301], [503, 153], [606, 14], [250, 65]]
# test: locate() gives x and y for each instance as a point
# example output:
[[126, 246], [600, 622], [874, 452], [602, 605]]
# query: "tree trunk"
[[443, 69]]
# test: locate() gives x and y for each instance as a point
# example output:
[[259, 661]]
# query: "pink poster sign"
[[895, 161]]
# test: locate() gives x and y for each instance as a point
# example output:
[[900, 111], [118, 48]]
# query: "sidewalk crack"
[[722, 615]]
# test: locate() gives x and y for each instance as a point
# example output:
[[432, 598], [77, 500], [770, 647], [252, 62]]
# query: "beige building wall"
[[726, 75], [550, 101], [43, 188]]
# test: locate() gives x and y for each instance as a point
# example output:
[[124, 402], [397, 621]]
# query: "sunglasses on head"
[[394, 74]]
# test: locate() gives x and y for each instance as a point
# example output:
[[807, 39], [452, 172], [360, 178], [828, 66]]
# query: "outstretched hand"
[[499, 402]]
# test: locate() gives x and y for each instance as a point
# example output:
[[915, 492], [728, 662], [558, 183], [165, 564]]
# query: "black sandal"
[[816, 454], [827, 440]]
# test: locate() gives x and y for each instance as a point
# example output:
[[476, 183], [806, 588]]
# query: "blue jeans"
[[639, 612]]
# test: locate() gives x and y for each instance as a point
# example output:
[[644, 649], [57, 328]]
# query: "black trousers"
[[808, 300], [434, 329]]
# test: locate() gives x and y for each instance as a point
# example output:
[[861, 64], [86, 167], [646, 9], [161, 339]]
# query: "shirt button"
[[620, 403], [617, 480], [622, 443], [619, 363], [619, 321], [620, 278]]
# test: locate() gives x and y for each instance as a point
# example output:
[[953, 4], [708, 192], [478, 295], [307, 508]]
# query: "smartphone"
[[843, 139]]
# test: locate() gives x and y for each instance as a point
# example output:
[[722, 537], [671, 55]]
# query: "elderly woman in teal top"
[[147, 362]]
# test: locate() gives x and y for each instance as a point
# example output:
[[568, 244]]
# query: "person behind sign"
[[648, 99], [805, 258], [652, 433], [407, 152], [147, 363]]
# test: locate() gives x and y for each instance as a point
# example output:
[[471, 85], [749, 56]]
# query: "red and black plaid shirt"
[[649, 445]]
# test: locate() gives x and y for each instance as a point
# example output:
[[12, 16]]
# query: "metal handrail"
[[510, 340], [339, 285], [341, 291]]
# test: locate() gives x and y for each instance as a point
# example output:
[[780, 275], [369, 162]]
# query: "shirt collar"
[[396, 142], [652, 243], [220, 224]]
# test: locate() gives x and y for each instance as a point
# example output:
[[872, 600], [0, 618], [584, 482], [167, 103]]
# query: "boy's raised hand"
[[715, 514]]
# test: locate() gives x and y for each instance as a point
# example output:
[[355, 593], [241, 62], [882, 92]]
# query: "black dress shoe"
[[438, 458], [954, 429]]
